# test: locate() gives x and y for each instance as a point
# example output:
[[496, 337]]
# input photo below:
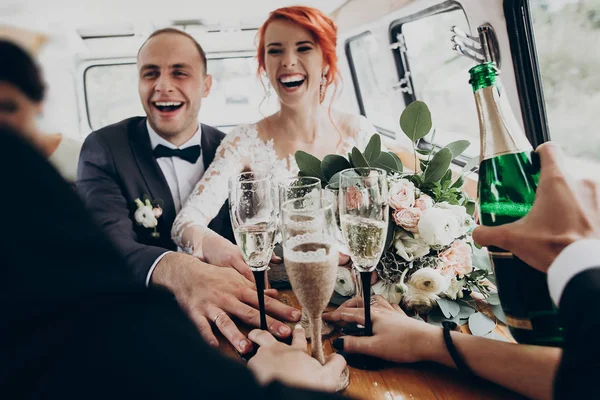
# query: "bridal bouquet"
[[428, 259]]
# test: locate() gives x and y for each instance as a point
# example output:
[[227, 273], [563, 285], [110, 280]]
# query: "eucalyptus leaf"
[[332, 164], [386, 162], [391, 229], [415, 120], [423, 152], [459, 182], [465, 311], [449, 308], [436, 317], [498, 312], [458, 147], [446, 179], [470, 206], [358, 159], [481, 259], [493, 299], [335, 179], [373, 149], [438, 166], [399, 166], [480, 324], [423, 164], [309, 164]]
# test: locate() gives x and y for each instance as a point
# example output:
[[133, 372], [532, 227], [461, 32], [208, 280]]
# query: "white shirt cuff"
[[154, 266], [575, 258]]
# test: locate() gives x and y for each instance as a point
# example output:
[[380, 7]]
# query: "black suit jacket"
[[75, 325], [579, 369], [116, 166]]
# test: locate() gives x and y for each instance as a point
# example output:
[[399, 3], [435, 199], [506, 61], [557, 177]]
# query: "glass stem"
[[259, 278], [365, 277]]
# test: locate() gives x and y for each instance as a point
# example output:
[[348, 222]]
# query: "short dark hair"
[[182, 33], [20, 70]]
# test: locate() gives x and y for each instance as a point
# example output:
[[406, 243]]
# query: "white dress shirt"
[[575, 258], [181, 175]]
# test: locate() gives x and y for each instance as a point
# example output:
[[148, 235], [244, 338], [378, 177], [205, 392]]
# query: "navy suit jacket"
[[117, 166]]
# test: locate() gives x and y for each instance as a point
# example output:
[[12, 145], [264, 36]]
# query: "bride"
[[297, 53]]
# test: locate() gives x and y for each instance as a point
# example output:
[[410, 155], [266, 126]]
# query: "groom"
[[162, 157]]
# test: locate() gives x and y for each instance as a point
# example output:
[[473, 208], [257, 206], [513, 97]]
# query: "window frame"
[[395, 28], [519, 25]]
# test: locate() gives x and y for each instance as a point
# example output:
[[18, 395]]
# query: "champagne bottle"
[[508, 179]]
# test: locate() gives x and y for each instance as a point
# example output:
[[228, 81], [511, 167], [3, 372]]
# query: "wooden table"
[[409, 381]]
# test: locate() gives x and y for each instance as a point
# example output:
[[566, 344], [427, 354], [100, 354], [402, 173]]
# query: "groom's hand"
[[209, 294], [217, 250]]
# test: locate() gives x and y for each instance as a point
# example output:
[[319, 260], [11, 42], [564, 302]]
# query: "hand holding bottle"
[[564, 211]]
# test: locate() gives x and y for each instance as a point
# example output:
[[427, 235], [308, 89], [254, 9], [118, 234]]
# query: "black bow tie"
[[189, 154]]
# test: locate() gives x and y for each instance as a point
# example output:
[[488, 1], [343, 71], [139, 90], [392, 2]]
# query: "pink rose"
[[457, 259], [402, 194], [424, 202], [353, 198], [408, 219], [157, 211]]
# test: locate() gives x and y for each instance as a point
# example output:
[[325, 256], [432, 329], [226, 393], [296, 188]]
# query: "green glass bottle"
[[508, 179]]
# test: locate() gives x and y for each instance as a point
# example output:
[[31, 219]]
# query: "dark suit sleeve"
[[580, 314], [97, 184]]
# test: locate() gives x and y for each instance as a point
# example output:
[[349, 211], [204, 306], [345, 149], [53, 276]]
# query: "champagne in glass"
[[311, 258], [253, 218], [364, 218]]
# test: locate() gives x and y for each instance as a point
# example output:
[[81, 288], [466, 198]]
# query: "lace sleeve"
[[191, 225]]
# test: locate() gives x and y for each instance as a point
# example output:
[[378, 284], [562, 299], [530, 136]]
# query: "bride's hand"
[[217, 250]]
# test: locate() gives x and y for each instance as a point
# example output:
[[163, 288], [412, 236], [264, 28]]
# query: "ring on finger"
[[373, 300], [217, 316]]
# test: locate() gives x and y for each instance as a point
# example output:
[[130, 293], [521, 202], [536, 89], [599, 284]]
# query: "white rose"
[[438, 227], [418, 300], [402, 194], [428, 280], [455, 289], [410, 248], [344, 282], [465, 221], [145, 217], [388, 291]]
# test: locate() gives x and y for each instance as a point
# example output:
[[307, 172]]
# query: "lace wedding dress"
[[242, 149]]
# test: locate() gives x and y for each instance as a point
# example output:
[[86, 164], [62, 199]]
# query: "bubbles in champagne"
[[365, 239], [256, 243]]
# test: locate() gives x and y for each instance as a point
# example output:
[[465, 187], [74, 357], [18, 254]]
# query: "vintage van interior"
[[391, 52]]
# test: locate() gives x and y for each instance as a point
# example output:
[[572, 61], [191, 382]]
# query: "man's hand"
[[211, 294], [564, 211], [396, 336], [292, 365], [217, 250]]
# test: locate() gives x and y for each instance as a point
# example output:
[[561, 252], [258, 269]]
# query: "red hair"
[[318, 24]]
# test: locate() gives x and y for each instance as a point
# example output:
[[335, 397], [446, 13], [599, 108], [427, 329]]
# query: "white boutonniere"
[[147, 215]]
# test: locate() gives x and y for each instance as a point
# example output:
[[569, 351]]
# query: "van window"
[[235, 98], [439, 75], [567, 34], [374, 81]]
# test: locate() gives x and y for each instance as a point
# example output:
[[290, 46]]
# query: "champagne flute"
[[311, 258], [364, 220], [253, 218]]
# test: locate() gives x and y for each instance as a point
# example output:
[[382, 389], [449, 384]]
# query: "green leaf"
[[333, 164], [449, 308], [373, 149], [470, 206], [435, 317], [350, 159], [423, 164], [385, 161], [415, 120], [309, 164], [480, 324], [459, 182], [438, 165], [465, 311], [458, 147], [391, 229], [493, 299], [358, 159], [399, 166], [335, 179], [446, 179], [423, 152]]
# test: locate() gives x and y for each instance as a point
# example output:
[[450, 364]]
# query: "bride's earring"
[[323, 84], [269, 89]]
